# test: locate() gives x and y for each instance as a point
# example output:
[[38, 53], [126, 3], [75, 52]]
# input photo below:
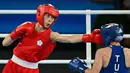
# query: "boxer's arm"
[[7, 41], [17, 33], [94, 37], [66, 39], [98, 63]]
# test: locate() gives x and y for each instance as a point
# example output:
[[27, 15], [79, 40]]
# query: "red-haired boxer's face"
[[48, 20]]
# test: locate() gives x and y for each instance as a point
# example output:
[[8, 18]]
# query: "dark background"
[[66, 24]]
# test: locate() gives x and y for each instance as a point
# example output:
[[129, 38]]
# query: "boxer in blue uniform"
[[113, 58]]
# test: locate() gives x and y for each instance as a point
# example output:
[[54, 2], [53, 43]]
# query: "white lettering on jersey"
[[117, 66], [117, 57]]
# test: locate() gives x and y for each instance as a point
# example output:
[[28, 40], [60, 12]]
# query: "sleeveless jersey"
[[34, 46], [117, 61]]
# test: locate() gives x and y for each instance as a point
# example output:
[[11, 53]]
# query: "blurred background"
[[66, 24]]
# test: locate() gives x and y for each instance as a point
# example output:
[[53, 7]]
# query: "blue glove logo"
[[75, 61]]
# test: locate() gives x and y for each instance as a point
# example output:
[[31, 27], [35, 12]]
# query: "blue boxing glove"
[[77, 65]]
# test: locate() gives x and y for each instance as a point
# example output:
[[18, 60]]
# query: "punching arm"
[[66, 39], [94, 37]]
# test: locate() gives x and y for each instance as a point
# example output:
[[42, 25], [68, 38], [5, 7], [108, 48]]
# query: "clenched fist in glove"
[[23, 29], [77, 65], [94, 37]]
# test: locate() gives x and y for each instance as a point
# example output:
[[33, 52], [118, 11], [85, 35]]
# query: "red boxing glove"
[[21, 30], [94, 37]]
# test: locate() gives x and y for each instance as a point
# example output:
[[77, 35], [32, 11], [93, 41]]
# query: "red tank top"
[[35, 46]]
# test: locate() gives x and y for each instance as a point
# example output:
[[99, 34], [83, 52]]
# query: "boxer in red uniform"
[[37, 41]]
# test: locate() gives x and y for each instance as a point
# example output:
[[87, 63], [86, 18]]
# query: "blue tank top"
[[117, 61]]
